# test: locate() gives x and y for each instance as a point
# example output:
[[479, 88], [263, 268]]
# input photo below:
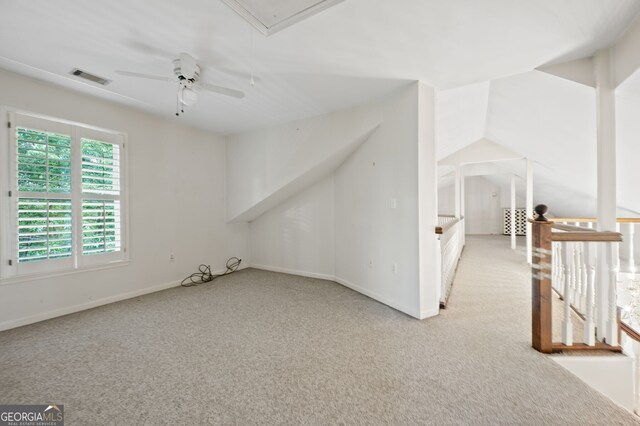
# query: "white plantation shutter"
[[44, 229], [43, 207], [44, 161], [100, 167], [101, 193], [101, 226], [67, 196]]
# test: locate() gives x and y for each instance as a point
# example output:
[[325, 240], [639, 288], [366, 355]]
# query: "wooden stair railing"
[[625, 225], [569, 267]]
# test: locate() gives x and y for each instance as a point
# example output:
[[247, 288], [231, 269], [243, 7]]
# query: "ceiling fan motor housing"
[[184, 73]]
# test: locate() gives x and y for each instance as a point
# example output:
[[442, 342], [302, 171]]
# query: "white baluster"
[[574, 272], [584, 274], [554, 265], [577, 280], [589, 324], [632, 259], [557, 283], [612, 322], [617, 250], [569, 248], [567, 327]]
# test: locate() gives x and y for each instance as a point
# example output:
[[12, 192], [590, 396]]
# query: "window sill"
[[62, 272]]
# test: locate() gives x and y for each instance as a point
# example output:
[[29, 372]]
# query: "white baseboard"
[[6, 325], [409, 311], [84, 306], [294, 272], [428, 313]]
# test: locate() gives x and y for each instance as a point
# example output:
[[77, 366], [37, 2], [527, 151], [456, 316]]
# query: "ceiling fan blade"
[[135, 42], [147, 76], [222, 90]]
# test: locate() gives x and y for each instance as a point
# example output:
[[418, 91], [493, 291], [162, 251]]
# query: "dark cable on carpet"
[[204, 274]]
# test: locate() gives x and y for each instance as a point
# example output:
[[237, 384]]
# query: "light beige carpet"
[[265, 348]]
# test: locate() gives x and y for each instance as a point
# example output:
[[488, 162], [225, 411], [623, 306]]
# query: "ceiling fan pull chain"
[[178, 102]]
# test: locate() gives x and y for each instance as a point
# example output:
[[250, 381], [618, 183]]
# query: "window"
[[66, 208]]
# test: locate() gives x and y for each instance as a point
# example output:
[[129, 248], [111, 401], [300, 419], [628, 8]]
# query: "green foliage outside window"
[[44, 164]]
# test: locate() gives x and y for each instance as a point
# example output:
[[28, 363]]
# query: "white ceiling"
[[552, 121], [549, 120], [353, 52]]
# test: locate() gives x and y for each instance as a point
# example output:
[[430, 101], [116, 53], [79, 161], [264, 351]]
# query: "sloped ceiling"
[[461, 117], [551, 120], [481, 151], [351, 53], [628, 150]]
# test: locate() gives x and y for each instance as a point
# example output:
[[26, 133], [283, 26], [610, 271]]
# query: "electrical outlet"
[[370, 263], [394, 268], [172, 257], [394, 203]]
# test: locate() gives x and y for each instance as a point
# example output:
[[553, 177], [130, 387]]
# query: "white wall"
[[297, 236], [176, 202], [262, 163], [369, 235], [505, 195], [447, 200], [483, 212]]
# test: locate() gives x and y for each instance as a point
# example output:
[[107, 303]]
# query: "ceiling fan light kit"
[[188, 96]]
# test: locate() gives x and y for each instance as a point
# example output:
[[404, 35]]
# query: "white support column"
[[529, 207], [606, 138], [513, 212], [457, 203]]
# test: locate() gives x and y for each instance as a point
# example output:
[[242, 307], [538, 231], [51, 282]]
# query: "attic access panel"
[[269, 16]]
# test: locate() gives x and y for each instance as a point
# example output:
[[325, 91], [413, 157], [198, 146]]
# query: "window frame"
[[12, 270]]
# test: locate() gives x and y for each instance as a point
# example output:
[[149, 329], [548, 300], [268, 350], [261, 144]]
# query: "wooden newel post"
[[541, 282]]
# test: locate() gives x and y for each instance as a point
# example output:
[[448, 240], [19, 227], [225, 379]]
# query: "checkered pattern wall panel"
[[521, 221]]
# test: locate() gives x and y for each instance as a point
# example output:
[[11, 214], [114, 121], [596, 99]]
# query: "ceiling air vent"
[[273, 15], [89, 76]]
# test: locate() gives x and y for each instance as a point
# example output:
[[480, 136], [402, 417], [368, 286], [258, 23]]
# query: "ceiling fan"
[[187, 75]]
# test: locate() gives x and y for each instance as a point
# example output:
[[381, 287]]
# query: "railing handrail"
[[593, 219], [630, 331], [572, 264], [572, 233], [594, 236], [444, 228], [627, 328]]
